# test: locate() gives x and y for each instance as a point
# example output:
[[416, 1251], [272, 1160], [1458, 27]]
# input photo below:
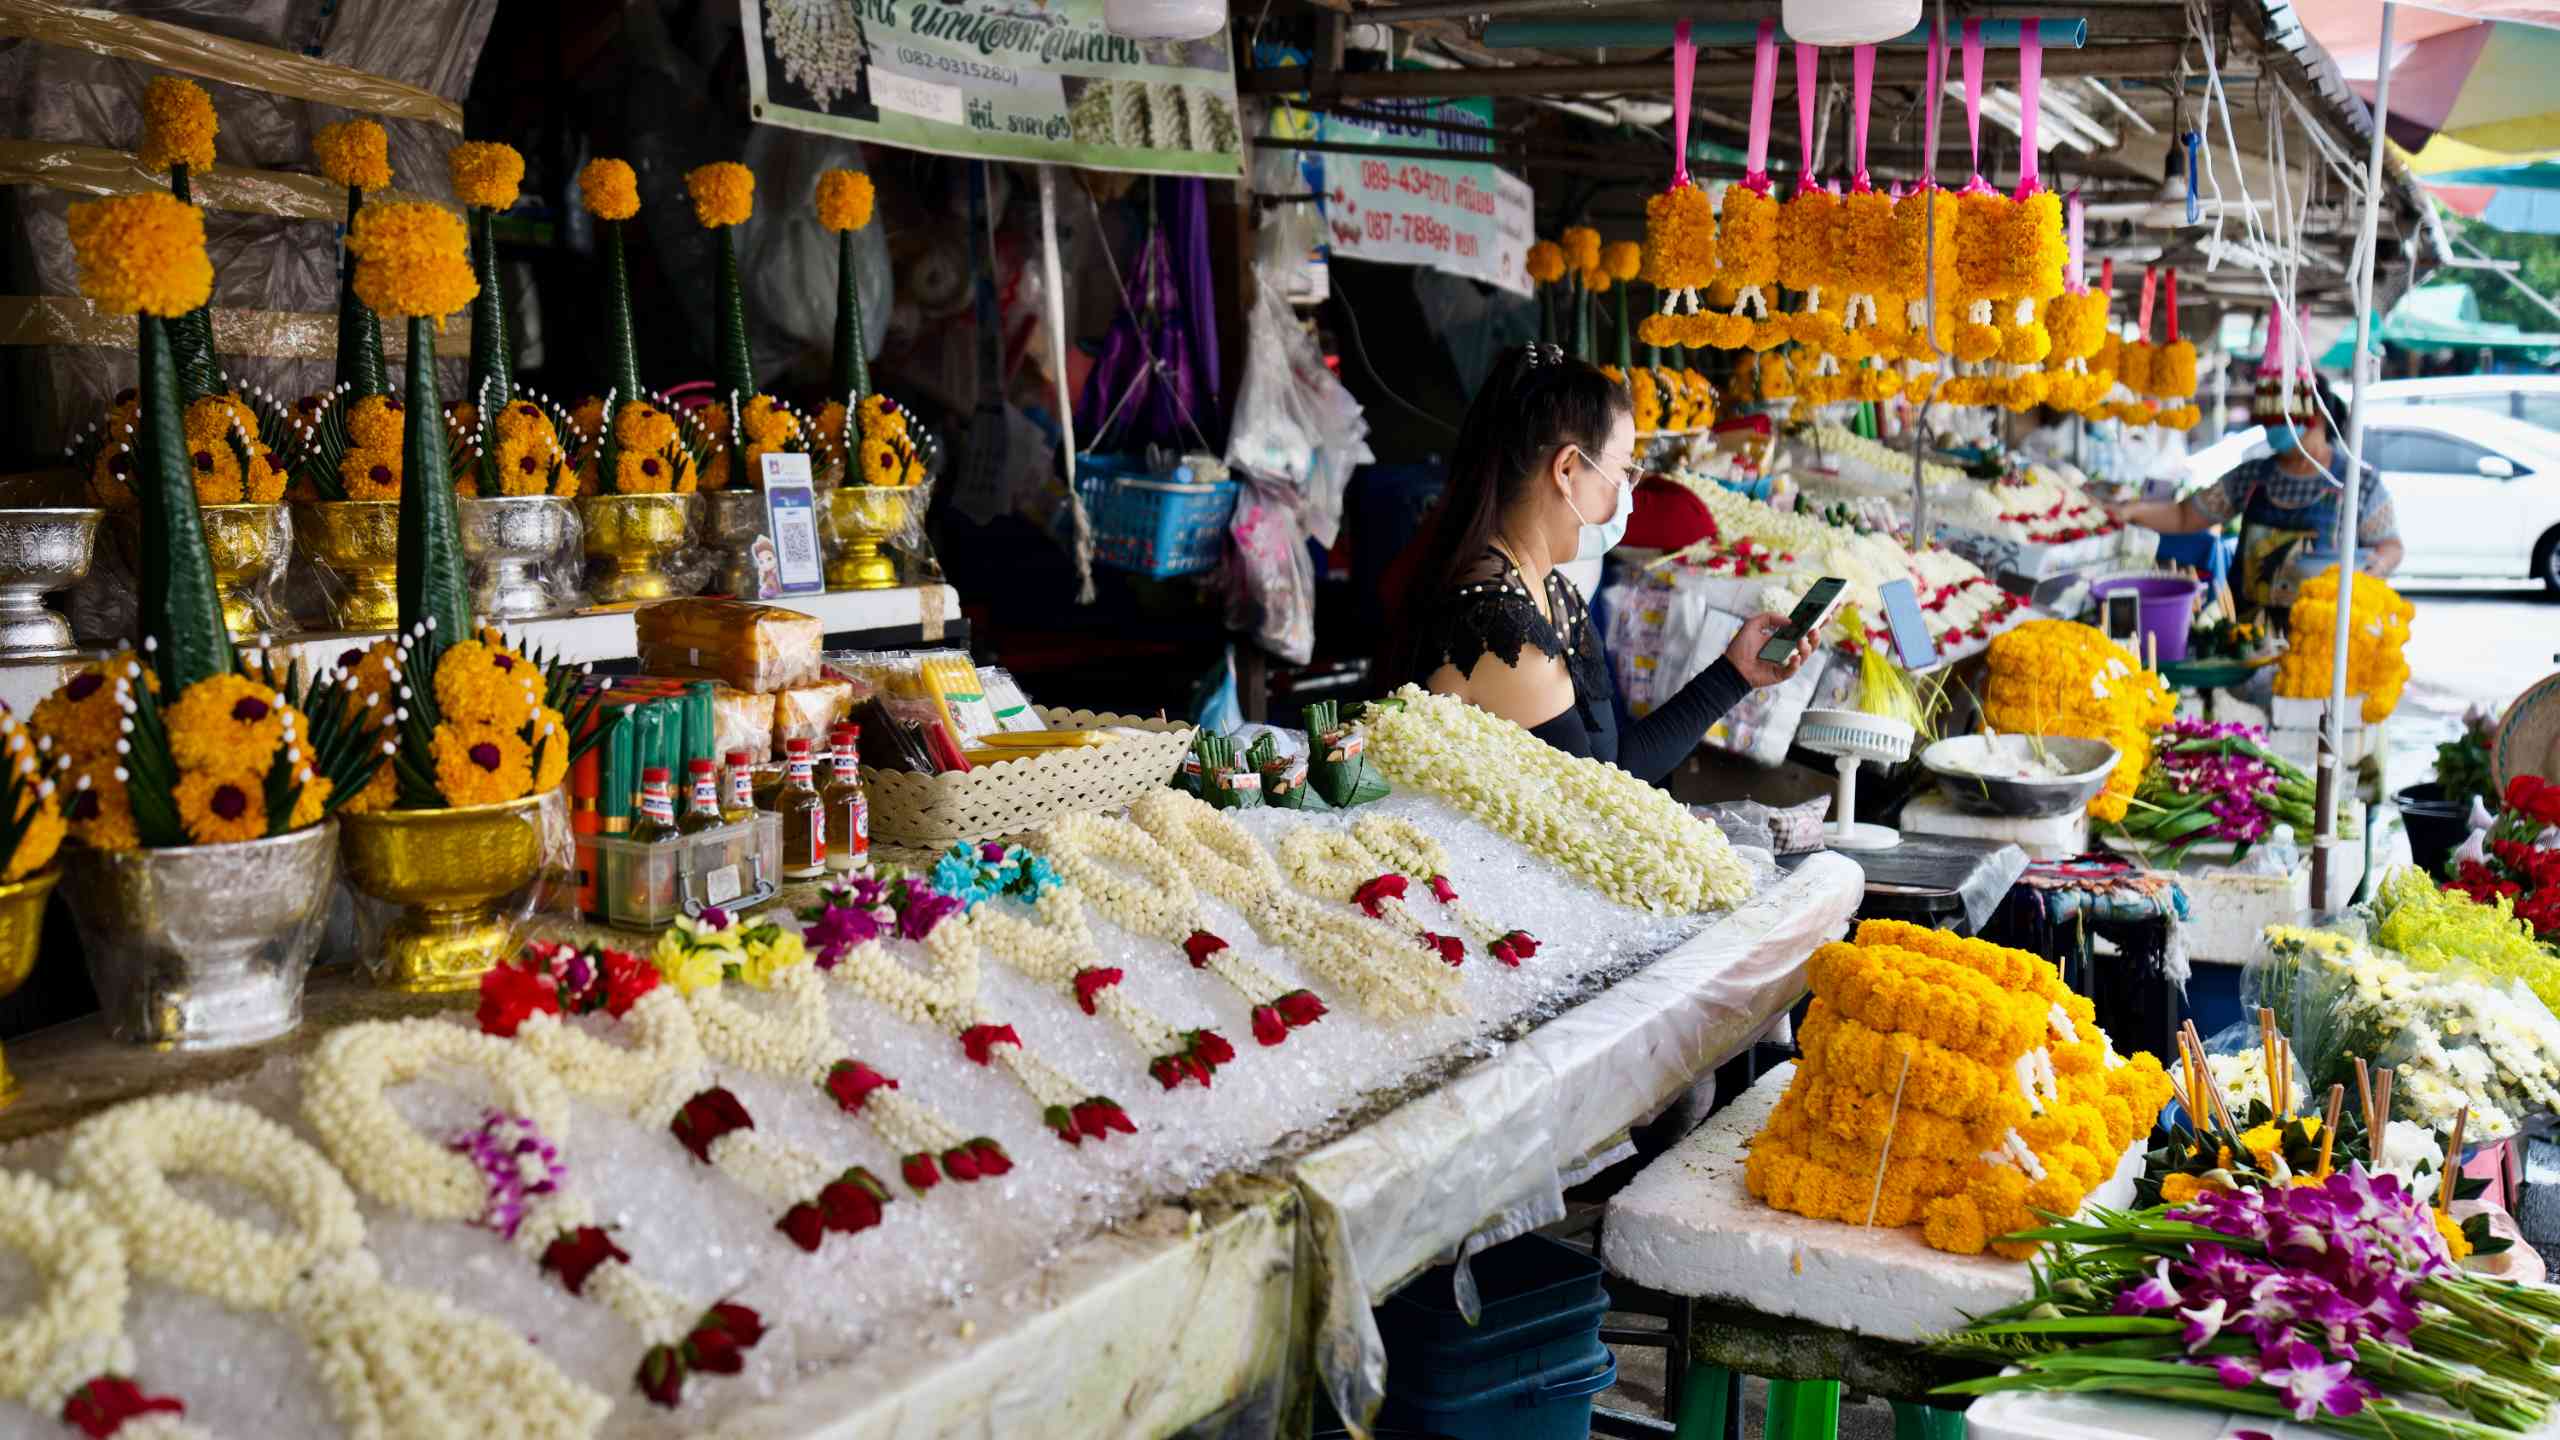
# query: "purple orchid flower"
[[2155, 1293], [2310, 1386]]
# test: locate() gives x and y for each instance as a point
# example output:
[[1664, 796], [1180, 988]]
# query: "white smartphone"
[[1810, 615]]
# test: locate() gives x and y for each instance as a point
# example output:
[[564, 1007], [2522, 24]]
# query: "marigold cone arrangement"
[[611, 192], [2055, 677], [485, 178], [844, 204], [178, 126], [356, 154]]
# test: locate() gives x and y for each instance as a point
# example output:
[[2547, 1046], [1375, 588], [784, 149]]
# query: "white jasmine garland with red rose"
[[1380, 968], [1136, 883], [1410, 849], [1331, 864], [395, 1362], [505, 1175], [66, 1354], [1053, 945]]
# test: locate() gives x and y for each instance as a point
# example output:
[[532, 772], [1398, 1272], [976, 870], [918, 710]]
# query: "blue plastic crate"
[[1150, 525], [1551, 1405]]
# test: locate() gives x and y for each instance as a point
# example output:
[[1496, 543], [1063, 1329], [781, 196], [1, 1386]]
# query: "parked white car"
[[2534, 399], [2478, 494]]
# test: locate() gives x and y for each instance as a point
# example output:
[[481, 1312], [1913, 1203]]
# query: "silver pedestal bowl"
[[508, 539], [41, 551], [736, 520]]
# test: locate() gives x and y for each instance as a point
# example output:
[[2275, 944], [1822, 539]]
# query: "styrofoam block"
[[1689, 1226], [2050, 1416], [2228, 912], [2295, 713], [2054, 837]]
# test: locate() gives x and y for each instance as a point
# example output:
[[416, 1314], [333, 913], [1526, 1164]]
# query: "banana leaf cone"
[[1546, 315], [1626, 332], [493, 379], [359, 329], [433, 575], [190, 335], [625, 357], [850, 377], [181, 609], [732, 364]]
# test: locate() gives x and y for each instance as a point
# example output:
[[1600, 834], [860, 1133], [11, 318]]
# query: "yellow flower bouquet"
[[2055, 677]]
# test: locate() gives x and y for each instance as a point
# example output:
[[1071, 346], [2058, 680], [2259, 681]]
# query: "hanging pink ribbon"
[[2072, 216], [1929, 106], [2107, 275], [1862, 84], [2030, 102], [1684, 69], [2172, 320], [2272, 360], [1805, 57], [1764, 96], [2150, 289], [1973, 93]]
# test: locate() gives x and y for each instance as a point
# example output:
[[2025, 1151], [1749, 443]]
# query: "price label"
[[793, 566]]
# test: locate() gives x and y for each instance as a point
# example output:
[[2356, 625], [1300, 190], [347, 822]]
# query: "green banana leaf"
[[625, 356], [433, 583], [181, 617], [359, 329], [493, 380], [851, 373], [733, 364]]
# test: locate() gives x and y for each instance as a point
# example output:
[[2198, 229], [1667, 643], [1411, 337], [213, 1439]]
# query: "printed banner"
[[1037, 80], [1463, 216]]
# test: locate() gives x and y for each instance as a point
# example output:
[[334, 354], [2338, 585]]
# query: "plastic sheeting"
[[51, 94], [1387, 1198]]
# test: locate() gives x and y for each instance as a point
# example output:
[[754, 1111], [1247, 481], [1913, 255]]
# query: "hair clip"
[[1542, 352]]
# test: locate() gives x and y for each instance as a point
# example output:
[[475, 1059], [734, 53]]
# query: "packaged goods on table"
[[763, 648]]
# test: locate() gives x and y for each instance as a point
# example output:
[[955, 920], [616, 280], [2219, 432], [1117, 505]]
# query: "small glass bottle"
[[742, 789], [804, 817], [657, 820], [702, 810], [848, 811]]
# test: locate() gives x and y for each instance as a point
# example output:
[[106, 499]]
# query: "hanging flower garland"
[[1146, 893], [1331, 863], [661, 1080], [506, 1175], [1412, 850], [1375, 965], [66, 1354], [395, 1362], [1679, 223], [857, 913]]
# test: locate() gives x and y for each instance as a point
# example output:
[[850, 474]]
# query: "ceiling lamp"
[[1165, 19], [1849, 22]]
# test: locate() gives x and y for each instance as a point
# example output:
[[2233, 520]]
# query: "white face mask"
[[1600, 539]]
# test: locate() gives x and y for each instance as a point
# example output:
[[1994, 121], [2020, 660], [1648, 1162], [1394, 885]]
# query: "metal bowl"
[[509, 538], [40, 551], [2086, 765]]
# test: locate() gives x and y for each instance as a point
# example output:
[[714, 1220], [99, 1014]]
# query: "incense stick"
[[1884, 1152], [2279, 1094], [2372, 1130], [2452, 1161], [2382, 1096], [2329, 1126]]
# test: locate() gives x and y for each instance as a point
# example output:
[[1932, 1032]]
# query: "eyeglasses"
[[1626, 475]]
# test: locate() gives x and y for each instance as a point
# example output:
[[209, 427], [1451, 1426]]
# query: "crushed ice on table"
[[976, 1246]]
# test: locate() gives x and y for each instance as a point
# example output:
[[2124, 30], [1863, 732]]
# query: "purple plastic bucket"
[[2168, 603]]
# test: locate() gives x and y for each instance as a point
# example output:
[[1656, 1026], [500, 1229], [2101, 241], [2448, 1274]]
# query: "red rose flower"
[[1523, 944], [1200, 945], [979, 1042], [1268, 1027], [1167, 1071], [509, 997], [744, 1325], [1062, 1122], [960, 1164], [850, 1083], [805, 1224], [1442, 890], [661, 1375], [107, 1401], [627, 977], [1374, 894], [1451, 948], [1093, 981], [575, 1256], [851, 1202], [1098, 1118], [992, 1161], [1299, 1007], [917, 1170], [1211, 1046], [714, 1352], [706, 1117]]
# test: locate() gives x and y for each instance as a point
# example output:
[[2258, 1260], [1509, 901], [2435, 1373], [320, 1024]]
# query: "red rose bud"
[[627, 977], [959, 1164], [1522, 943], [1199, 1069], [1094, 981], [979, 1042], [1442, 890], [1062, 1121], [848, 1208], [661, 1375], [509, 997], [1299, 1007], [713, 1352], [1268, 1027], [1200, 945], [745, 1326], [917, 1170], [1166, 1070], [575, 1256], [108, 1401], [1211, 1046], [1501, 950], [992, 1161], [1451, 948], [851, 1082], [1372, 895], [805, 1223], [1098, 1118], [706, 1117]]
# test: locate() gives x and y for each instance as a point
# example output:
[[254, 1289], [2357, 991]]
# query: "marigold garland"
[[844, 200], [723, 192], [609, 189], [486, 174], [2055, 677], [2377, 630], [178, 125], [2173, 370], [413, 259], [141, 254], [2039, 248], [354, 153]]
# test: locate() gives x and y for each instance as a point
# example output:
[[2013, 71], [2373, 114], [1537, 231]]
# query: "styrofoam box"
[[2293, 713], [2054, 837]]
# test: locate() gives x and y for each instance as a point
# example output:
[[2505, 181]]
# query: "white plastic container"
[[645, 886]]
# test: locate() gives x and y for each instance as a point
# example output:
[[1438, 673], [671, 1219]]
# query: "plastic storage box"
[[1152, 525], [1525, 1370], [642, 886]]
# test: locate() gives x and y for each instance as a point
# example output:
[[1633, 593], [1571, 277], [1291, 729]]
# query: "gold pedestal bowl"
[[359, 541], [865, 517], [635, 534], [447, 869], [248, 544], [21, 925]]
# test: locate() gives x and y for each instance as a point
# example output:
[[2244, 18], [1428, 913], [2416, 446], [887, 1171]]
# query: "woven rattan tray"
[[932, 811]]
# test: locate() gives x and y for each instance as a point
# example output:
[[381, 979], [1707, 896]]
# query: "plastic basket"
[[1153, 527], [1540, 1305], [1011, 796]]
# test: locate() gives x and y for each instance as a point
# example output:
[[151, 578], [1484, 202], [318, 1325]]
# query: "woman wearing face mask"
[[1544, 472], [2288, 504]]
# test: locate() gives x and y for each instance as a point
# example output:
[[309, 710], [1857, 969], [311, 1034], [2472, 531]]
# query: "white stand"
[[1845, 832]]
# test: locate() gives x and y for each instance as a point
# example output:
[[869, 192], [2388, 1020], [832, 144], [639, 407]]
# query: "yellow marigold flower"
[[2457, 1245], [2173, 370], [2039, 249], [526, 421], [477, 684], [215, 810], [485, 174], [551, 740], [1748, 236], [311, 802], [1808, 240], [2133, 366], [828, 431], [97, 806], [882, 416], [481, 764], [2077, 321], [881, 463], [639, 474], [82, 717], [141, 253], [378, 794], [1680, 232], [413, 259], [354, 153], [1582, 247], [228, 727], [216, 468], [724, 193], [844, 199], [1622, 259], [42, 838], [768, 422], [609, 189], [1546, 262], [1596, 280], [370, 474], [177, 125]]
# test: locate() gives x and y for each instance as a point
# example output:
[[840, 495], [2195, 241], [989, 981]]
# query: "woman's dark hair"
[[1535, 401]]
